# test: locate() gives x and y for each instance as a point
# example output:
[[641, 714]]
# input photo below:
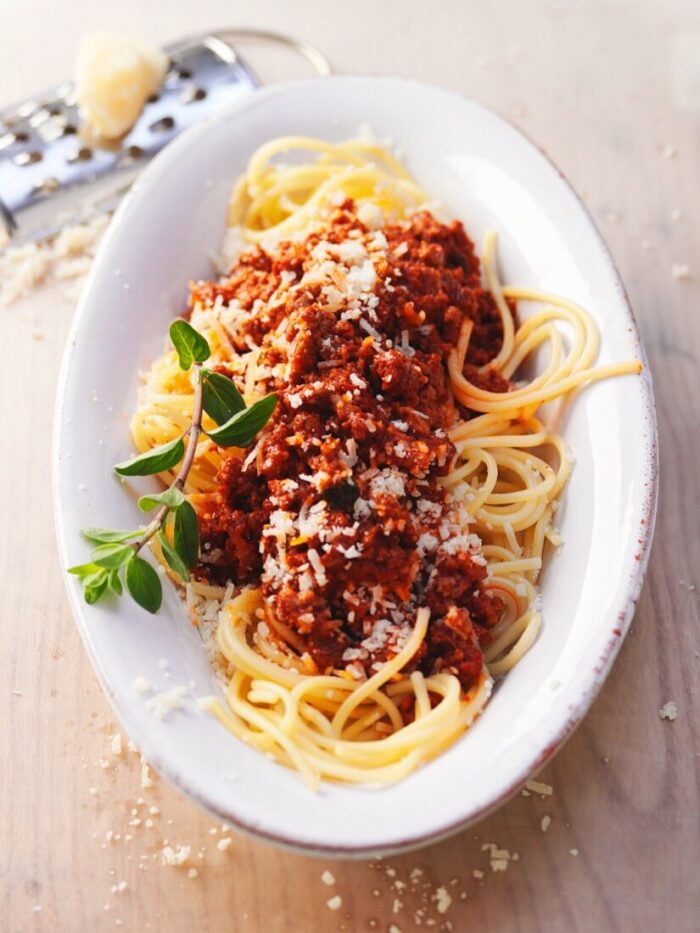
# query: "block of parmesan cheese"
[[115, 75]]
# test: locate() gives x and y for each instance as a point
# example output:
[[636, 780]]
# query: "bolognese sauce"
[[338, 513]]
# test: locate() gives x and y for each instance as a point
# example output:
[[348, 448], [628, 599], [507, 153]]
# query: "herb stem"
[[193, 432]]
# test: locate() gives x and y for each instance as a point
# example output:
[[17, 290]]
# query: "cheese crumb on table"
[[546, 820], [116, 744], [537, 787], [327, 877], [146, 779], [335, 903], [223, 844], [680, 270], [176, 856], [499, 859], [65, 257], [443, 900], [668, 711]]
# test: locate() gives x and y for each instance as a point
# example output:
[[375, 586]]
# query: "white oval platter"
[[489, 176]]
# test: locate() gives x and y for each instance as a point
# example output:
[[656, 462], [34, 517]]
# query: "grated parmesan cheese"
[[141, 685], [146, 779], [370, 215], [174, 857], [537, 787], [680, 271], [317, 566], [162, 704], [388, 482], [66, 257], [443, 900]]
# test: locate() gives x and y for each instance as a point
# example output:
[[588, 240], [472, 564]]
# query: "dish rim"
[[623, 611]]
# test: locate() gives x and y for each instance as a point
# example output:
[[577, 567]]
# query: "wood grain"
[[591, 82]]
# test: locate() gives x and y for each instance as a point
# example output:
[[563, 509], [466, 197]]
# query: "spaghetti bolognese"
[[372, 559]]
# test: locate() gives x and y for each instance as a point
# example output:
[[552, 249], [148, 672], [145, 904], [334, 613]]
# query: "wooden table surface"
[[613, 94]]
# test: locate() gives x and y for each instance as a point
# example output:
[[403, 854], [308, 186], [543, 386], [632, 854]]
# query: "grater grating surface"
[[50, 176]]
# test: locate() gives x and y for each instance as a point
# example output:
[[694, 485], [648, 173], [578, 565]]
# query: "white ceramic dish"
[[489, 176]]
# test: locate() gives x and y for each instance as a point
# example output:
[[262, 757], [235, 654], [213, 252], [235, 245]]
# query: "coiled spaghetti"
[[508, 472]]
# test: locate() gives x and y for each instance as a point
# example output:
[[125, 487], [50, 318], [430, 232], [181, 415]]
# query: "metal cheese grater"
[[50, 177]]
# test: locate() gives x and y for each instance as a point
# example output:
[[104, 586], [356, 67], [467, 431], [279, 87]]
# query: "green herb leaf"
[[240, 430], [95, 586], [172, 497], [114, 583], [174, 560], [112, 555], [144, 584], [187, 534], [153, 461], [221, 398], [108, 535], [84, 570], [190, 345]]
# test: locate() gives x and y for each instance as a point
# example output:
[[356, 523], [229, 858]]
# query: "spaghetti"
[[373, 559]]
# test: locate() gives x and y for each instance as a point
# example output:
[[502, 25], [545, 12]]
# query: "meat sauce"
[[339, 514]]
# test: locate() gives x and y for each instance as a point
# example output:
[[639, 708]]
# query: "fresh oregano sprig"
[[115, 560]]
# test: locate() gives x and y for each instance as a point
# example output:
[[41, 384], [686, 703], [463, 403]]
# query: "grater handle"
[[313, 55]]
